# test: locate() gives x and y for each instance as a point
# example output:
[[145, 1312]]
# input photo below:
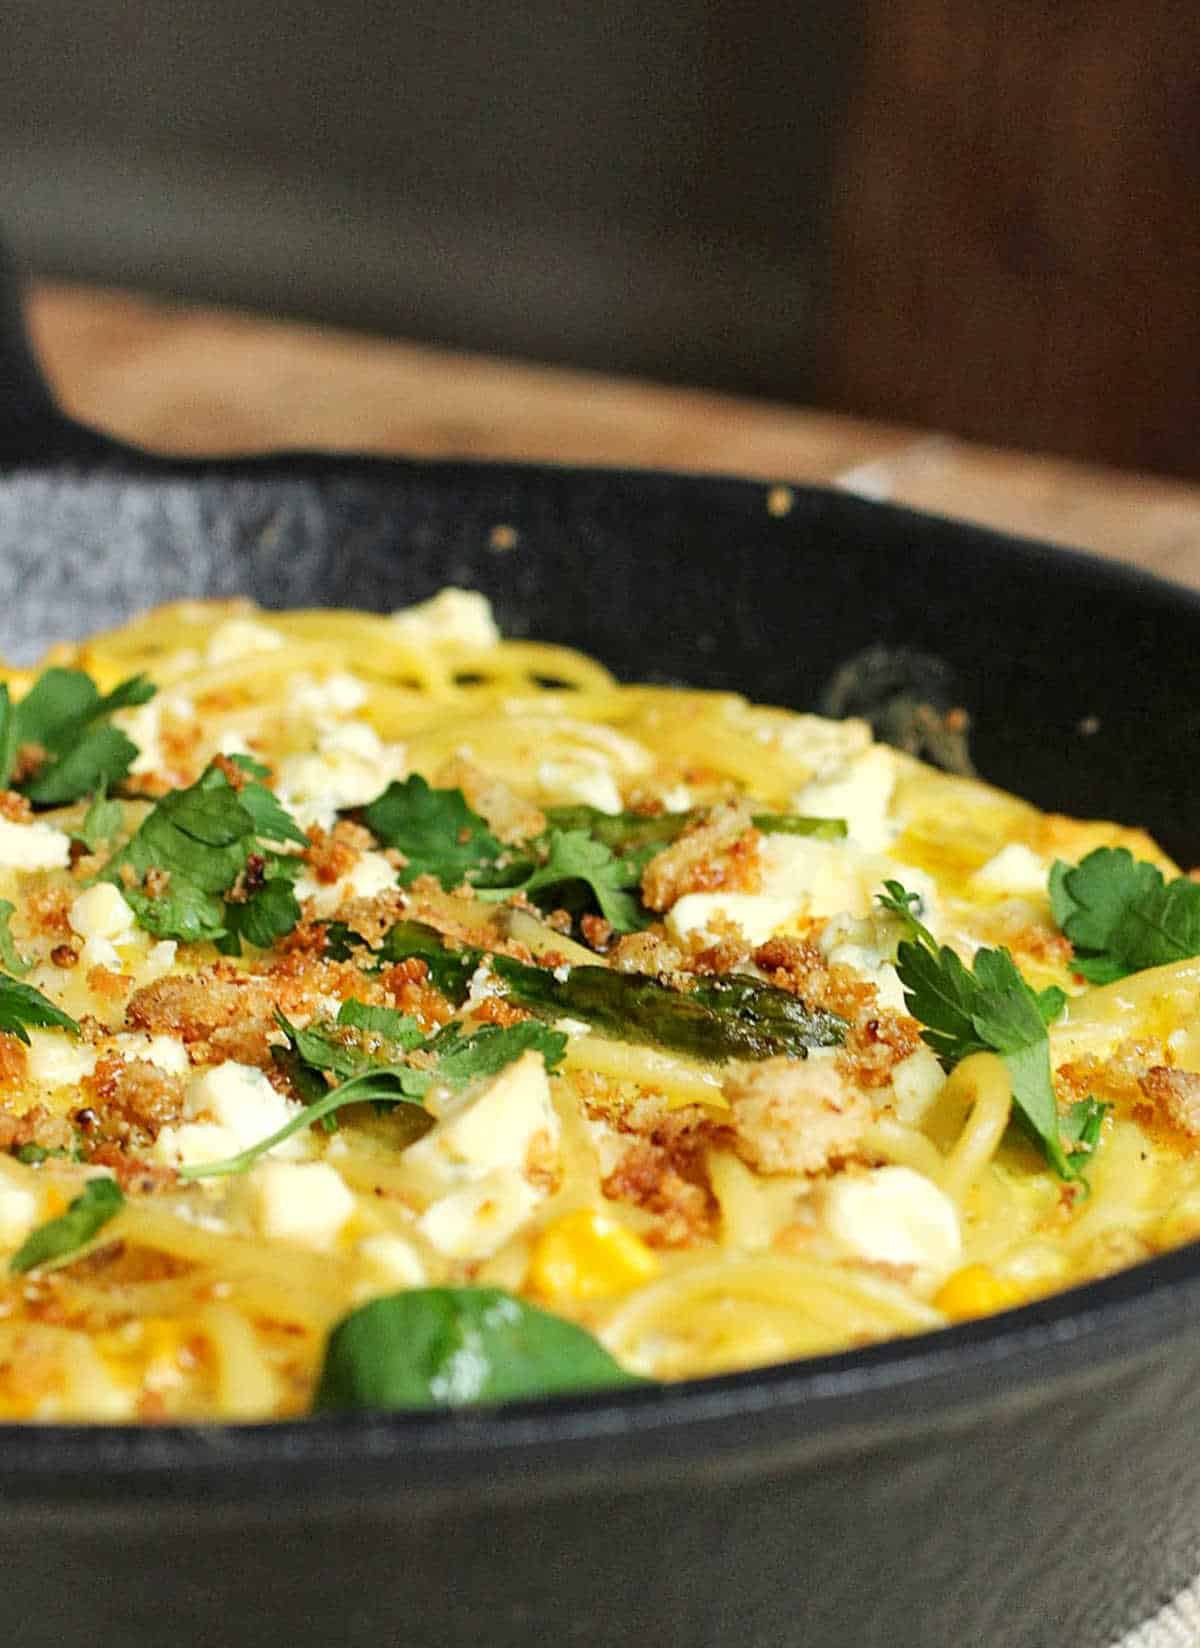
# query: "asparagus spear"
[[724, 1018], [628, 832]]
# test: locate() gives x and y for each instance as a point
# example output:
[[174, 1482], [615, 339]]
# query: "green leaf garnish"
[[65, 714], [436, 830], [986, 1008], [449, 970], [203, 838], [1122, 916], [573, 856], [459, 1060], [9, 954], [22, 1006], [102, 822], [447, 1347], [101, 1200]]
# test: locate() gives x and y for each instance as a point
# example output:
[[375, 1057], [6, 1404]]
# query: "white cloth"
[[1175, 1626]]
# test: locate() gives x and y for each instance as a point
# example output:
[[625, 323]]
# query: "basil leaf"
[[448, 1347]]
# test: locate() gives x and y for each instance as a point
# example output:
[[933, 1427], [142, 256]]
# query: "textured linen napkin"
[[1175, 1626]]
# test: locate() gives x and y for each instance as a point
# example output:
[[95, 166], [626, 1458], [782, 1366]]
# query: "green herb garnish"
[[572, 856], [448, 1347], [101, 1200], [438, 833], [64, 715], [209, 845], [23, 1008], [990, 1008], [102, 821], [9, 954], [1122, 916], [458, 1060]]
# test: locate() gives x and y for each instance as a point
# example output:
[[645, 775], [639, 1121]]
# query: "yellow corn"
[[976, 1290], [588, 1255]]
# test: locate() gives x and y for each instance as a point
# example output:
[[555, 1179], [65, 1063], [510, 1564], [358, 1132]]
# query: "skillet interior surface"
[[689, 579]]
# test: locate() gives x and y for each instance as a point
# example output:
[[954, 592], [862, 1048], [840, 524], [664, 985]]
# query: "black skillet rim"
[[1071, 1335]]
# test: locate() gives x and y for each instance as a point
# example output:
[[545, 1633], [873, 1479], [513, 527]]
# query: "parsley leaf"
[[573, 856], [21, 1006], [102, 821], [203, 837], [464, 1059], [64, 714], [443, 1347], [459, 1060], [1121, 916], [9, 954], [271, 821], [986, 1008], [436, 830], [101, 1200], [266, 915]]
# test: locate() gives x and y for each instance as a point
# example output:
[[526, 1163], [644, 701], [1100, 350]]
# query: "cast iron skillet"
[[1026, 1481]]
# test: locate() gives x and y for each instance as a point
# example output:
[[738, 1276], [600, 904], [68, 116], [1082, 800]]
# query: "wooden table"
[[186, 380]]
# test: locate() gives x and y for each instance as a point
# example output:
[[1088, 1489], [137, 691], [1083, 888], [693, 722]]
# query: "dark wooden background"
[[977, 217]]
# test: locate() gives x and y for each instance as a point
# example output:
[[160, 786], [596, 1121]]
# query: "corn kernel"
[[588, 1255], [976, 1290]]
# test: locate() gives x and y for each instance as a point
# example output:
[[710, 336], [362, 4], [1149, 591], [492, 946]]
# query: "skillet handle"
[[33, 429]]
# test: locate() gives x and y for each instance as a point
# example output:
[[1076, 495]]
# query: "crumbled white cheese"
[[144, 725], [825, 747], [160, 958], [835, 878], [33, 846], [586, 782], [53, 1059], [1015, 871], [101, 912], [677, 799], [755, 915], [867, 945], [894, 1216], [369, 874], [239, 1097], [475, 1220], [819, 878], [192, 1144], [860, 793], [916, 1083], [167, 1053], [350, 766], [18, 1212], [340, 693], [455, 617], [393, 1260], [491, 1126], [300, 1201], [241, 638]]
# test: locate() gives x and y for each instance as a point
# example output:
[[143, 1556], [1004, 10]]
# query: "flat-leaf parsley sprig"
[[1122, 916], [990, 1008]]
